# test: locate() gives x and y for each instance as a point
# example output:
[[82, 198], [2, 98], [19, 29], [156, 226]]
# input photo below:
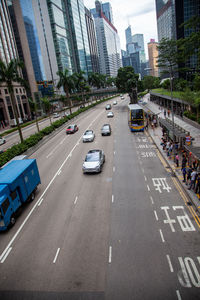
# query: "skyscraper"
[[92, 41], [166, 24], [8, 52], [77, 22], [108, 42], [107, 11], [170, 15], [153, 56]]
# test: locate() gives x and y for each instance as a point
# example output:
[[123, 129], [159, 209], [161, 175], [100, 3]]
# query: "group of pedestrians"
[[191, 174]]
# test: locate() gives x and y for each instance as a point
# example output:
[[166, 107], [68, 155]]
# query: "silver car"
[[110, 114], [88, 136], [106, 129], [94, 161], [2, 140]]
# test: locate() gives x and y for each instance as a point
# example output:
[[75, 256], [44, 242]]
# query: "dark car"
[[106, 129], [108, 106], [94, 161], [71, 129]]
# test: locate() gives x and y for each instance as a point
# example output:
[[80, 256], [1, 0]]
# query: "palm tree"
[[66, 81], [47, 106], [81, 83], [9, 74], [33, 106]]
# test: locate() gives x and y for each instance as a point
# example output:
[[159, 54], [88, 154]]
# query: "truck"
[[19, 180]]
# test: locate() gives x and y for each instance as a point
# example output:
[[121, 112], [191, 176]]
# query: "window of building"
[[16, 91], [6, 91]]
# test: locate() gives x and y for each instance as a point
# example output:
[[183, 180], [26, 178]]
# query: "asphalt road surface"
[[126, 233]]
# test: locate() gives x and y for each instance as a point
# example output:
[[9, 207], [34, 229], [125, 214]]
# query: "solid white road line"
[[170, 264], [40, 202], [156, 216], [3, 258], [162, 237], [59, 172], [112, 198], [55, 258], [148, 187], [110, 255], [178, 294], [36, 204], [75, 200]]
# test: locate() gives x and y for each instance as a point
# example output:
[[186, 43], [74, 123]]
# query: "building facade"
[[108, 43], [153, 56], [170, 15], [8, 51], [92, 41], [79, 36]]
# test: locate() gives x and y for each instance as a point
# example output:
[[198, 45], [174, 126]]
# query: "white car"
[[114, 102], [2, 140], [88, 136], [56, 115], [110, 114]]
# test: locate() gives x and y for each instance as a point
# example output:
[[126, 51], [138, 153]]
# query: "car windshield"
[[106, 127], [70, 127], [92, 157], [88, 132]]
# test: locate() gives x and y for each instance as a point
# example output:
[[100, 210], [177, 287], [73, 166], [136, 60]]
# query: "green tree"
[[94, 79], [67, 82], [81, 84], [168, 57], [150, 82], [33, 106], [196, 82], [47, 107], [126, 82], [10, 75]]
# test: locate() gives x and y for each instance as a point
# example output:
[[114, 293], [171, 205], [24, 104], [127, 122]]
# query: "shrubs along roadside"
[[35, 138]]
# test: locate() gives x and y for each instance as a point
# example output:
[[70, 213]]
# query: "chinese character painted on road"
[[161, 183]]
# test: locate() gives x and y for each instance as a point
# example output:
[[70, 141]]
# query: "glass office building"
[[61, 34], [108, 43], [79, 35], [32, 36]]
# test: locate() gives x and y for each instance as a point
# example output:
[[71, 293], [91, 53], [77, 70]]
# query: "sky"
[[140, 14]]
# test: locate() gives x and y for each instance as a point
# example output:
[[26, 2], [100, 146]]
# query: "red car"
[[71, 129]]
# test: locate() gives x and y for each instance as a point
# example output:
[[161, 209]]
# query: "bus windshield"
[[137, 114]]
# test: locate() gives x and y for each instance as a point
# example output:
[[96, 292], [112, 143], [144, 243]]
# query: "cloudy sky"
[[140, 14]]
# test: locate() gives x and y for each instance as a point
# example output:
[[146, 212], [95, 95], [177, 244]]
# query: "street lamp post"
[[172, 111]]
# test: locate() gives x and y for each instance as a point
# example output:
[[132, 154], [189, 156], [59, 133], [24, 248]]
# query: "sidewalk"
[[156, 135]]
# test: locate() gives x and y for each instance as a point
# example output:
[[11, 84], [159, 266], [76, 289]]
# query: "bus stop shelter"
[[178, 132]]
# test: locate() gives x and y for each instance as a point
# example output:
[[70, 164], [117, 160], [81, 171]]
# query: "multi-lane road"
[[125, 233]]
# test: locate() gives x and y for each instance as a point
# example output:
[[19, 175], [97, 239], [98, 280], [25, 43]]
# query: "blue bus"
[[135, 117]]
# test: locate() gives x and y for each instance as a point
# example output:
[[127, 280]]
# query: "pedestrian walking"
[[184, 161], [189, 171], [184, 174], [193, 179], [197, 187], [177, 160], [165, 113]]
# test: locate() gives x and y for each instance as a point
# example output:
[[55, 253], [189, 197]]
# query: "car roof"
[[93, 151]]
